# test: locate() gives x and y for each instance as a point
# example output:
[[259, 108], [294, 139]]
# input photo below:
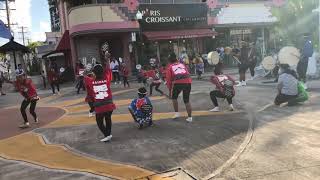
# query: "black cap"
[[142, 91], [98, 70]]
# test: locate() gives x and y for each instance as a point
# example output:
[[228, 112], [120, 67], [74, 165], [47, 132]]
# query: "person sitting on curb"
[[287, 86], [224, 89], [141, 109]]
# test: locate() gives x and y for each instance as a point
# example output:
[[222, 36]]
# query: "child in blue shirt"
[[141, 109]]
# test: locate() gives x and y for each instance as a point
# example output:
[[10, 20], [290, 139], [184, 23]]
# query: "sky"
[[33, 14]]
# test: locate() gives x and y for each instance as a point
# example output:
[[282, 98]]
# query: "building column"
[[263, 42], [126, 53], [73, 57]]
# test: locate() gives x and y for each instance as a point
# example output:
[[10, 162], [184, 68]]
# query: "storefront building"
[[166, 26], [180, 26]]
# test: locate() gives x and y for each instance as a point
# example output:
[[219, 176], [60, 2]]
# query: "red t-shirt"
[[52, 76], [27, 89], [100, 92], [125, 71], [177, 73], [163, 72], [218, 80]]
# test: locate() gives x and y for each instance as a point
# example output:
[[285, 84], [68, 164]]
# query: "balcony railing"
[[93, 13]]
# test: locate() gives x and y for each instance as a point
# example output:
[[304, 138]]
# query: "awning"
[[64, 43], [62, 46], [13, 46], [179, 34]]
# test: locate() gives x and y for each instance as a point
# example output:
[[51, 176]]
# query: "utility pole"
[[7, 9], [23, 32]]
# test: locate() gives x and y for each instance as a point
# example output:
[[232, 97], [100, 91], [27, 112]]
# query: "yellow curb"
[[85, 107], [81, 100], [31, 148], [120, 118]]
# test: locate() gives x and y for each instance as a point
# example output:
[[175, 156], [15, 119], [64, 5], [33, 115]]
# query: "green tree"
[[296, 18], [33, 45]]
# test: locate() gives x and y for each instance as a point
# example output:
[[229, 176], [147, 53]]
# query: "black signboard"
[[173, 16]]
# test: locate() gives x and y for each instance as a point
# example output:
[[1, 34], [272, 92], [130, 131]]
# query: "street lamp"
[[139, 17]]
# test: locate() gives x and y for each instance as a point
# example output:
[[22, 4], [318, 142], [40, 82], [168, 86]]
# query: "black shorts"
[[177, 88], [243, 68]]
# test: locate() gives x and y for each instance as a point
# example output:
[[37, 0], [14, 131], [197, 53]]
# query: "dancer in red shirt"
[[178, 79], [99, 90], [154, 75], [125, 74], [27, 89]]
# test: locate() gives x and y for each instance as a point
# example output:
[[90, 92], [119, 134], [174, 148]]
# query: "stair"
[[123, 12]]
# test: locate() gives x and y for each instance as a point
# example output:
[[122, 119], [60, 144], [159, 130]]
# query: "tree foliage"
[[296, 18], [32, 46]]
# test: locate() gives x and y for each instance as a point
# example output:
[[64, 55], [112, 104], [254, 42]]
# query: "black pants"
[[185, 88], [157, 85], [44, 82], [53, 85], [105, 128], [217, 94], [81, 85], [282, 98], [125, 81], [116, 76], [24, 105], [302, 69], [252, 66], [91, 107]]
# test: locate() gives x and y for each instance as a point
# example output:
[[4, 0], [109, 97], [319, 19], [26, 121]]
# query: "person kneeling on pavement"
[[224, 89], [287, 86], [141, 109]]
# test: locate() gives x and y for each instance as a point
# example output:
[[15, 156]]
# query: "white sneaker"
[[244, 83], [189, 119], [176, 115], [216, 109], [239, 84], [119, 82], [24, 125], [231, 107], [90, 114], [37, 121], [251, 79], [115, 83], [106, 139]]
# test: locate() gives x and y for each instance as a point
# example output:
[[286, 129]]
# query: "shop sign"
[[173, 16], [133, 37], [240, 31]]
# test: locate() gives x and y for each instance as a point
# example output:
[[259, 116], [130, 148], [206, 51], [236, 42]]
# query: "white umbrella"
[[269, 63], [213, 58], [289, 55]]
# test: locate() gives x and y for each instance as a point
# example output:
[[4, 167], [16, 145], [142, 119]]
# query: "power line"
[[23, 33], [7, 9]]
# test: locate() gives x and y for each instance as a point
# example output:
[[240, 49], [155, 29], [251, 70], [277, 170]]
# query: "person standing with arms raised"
[[178, 79], [100, 91]]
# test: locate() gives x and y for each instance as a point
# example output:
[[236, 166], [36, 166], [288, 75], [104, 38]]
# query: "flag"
[[4, 31]]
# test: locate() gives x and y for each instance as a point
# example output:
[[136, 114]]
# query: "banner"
[[173, 16]]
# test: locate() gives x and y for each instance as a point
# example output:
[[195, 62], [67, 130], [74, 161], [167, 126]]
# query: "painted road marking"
[[31, 148], [124, 102], [120, 118]]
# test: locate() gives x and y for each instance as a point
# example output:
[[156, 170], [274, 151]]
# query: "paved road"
[[283, 144]]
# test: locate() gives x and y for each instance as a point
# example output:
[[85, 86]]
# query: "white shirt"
[[113, 66]]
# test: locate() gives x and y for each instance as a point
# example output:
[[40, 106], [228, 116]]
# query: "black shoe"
[[150, 123], [140, 126]]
